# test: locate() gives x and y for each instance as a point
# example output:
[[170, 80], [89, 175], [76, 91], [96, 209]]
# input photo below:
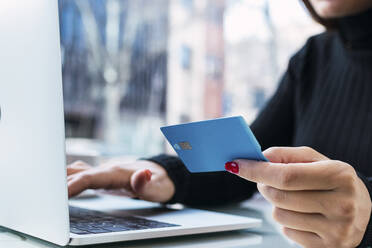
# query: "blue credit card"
[[206, 146]]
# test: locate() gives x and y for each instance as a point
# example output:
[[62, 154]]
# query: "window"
[[259, 98], [188, 4], [215, 12], [186, 56], [214, 66], [124, 64]]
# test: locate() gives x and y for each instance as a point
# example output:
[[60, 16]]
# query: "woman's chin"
[[329, 9]]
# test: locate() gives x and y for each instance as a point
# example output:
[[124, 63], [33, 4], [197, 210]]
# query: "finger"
[[77, 167], [300, 176], [293, 155], [77, 185], [71, 171], [300, 201], [70, 177], [98, 178], [306, 239], [300, 221], [139, 179]]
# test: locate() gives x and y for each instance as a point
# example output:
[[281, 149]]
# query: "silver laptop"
[[33, 184]]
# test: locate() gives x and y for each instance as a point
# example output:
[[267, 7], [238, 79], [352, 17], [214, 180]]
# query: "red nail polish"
[[235, 168], [232, 167], [148, 175], [228, 166]]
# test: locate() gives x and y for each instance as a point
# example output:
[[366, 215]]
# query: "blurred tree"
[[114, 56]]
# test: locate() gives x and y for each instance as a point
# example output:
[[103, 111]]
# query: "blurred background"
[[131, 66]]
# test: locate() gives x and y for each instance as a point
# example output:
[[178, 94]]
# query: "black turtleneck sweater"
[[324, 101]]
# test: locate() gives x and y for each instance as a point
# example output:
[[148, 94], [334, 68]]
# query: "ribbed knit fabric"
[[324, 101]]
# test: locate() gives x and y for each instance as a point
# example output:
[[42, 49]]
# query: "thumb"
[[139, 179], [288, 155]]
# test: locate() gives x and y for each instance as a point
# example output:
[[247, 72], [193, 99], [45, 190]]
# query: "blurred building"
[[121, 57], [195, 60], [258, 54]]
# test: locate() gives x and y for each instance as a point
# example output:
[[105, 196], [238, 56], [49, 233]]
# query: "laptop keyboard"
[[85, 221]]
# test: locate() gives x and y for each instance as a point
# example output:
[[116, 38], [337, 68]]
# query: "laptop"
[[33, 189]]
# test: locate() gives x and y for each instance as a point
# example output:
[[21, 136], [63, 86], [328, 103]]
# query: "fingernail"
[[148, 175], [232, 167]]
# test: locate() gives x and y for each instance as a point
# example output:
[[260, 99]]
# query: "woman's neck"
[[356, 30]]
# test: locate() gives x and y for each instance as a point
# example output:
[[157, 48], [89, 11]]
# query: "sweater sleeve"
[[274, 126], [196, 189], [367, 239]]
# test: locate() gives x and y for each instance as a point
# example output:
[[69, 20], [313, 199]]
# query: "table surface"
[[268, 235]]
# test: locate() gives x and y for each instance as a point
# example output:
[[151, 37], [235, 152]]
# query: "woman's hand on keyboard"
[[143, 179]]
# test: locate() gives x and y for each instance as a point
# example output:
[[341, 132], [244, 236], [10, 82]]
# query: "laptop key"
[[97, 230], [78, 231], [116, 228]]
